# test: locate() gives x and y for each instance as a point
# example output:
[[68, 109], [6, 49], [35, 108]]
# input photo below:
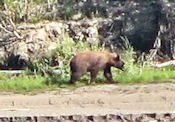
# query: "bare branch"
[[12, 23], [17, 35], [7, 31], [14, 28], [13, 32]]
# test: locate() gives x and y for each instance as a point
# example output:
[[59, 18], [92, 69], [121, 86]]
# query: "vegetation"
[[28, 10], [42, 80], [147, 75], [23, 83], [31, 83]]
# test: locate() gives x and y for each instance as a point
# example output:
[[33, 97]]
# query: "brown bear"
[[93, 62]]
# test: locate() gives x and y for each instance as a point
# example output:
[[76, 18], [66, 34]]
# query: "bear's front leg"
[[108, 74]]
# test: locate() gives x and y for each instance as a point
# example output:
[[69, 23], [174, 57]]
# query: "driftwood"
[[58, 72], [165, 64]]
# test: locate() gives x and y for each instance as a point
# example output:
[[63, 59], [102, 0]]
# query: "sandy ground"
[[90, 100]]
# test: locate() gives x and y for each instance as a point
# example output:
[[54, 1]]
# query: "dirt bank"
[[92, 100]]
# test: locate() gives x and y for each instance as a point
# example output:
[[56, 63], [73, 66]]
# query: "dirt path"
[[99, 99]]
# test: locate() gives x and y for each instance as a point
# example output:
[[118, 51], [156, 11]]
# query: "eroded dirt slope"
[[91, 100]]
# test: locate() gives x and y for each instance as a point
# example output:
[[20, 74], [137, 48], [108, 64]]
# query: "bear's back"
[[91, 58]]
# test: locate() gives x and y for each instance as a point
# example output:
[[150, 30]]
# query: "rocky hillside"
[[25, 34]]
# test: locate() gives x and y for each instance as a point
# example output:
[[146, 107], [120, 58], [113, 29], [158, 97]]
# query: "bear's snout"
[[120, 65]]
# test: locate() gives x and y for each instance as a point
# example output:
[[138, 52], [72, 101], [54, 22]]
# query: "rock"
[[54, 28], [77, 117], [94, 118], [39, 41], [84, 31]]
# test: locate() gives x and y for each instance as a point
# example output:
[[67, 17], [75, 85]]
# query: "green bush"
[[29, 10]]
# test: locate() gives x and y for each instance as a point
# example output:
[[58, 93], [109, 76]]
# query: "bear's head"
[[118, 63]]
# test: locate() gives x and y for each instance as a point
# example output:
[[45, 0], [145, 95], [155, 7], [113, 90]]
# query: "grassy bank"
[[31, 83], [146, 75], [23, 83]]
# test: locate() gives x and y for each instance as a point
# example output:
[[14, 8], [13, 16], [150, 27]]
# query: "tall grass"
[[139, 72], [146, 75]]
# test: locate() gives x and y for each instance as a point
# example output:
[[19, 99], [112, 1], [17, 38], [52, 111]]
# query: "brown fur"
[[93, 62]]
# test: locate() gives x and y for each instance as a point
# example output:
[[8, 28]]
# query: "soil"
[[90, 100]]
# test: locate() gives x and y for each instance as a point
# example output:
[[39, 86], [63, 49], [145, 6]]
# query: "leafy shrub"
[[31, 10]]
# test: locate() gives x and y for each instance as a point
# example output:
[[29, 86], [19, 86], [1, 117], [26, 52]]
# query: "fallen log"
[[56, 72], [12, 71], [165, 64]]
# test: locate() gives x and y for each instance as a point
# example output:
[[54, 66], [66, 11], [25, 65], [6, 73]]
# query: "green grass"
[[23, 83], [146, 75], [37, 83]]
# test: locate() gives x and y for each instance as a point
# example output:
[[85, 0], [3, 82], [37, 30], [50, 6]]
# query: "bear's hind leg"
[[93, 76], [75, 76]]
